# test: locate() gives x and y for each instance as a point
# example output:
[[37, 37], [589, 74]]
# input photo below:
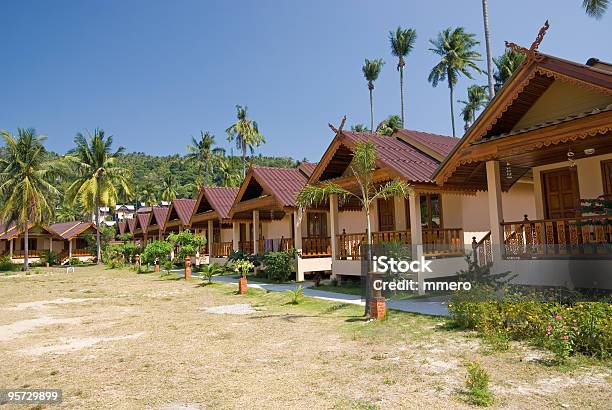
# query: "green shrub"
[[243, 266], [156, 251], [296, 295], [75, 262], [6, 264], [477, 385], [50, 257], [168, 265], [211, 270], [279, 265]]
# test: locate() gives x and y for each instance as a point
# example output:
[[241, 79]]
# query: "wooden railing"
[[81, 252], [443, 241], [221, 249], [558, 238], [275, 245], [316, 247], [436, 242], [32, 253], [482, 253], [246, 247]]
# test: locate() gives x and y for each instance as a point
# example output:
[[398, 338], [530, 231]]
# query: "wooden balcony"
[[221, 249], [585, 236], [436, 242], [316, 247], [32, 253], [275, 245], [246, 247]]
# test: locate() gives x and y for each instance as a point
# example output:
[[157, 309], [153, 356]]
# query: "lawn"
[[117, 339]]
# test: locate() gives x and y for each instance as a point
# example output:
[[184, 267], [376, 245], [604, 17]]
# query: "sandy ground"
[[115, 339]]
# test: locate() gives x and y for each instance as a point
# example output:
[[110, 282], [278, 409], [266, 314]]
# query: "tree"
[[99, 176], [26, 190], [454, 46], [230, 176], [210, 270], [390, 126], [595, 8], [485, 19], [187, 243], [371, 70], [148, 196], [169, 187], [245, 133], [202, 150], [506, 65], [156, 251], [362, 166], [477, 99], [402, 43], [359, 128]]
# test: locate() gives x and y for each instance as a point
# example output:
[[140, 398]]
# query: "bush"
[[187, 243], [75, 262], [296, 295], [156, 251], [279, 265], [50, 257], [211, 270], [6, 264], [243, 266], [477, 385]]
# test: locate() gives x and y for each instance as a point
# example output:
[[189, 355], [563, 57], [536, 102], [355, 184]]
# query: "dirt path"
[[120, 340]]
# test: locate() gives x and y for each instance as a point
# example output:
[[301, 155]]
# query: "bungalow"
[[265, 217], [179, 215], [431, 219], [550, 123], [211, 216], [67, 239], [157, 222]]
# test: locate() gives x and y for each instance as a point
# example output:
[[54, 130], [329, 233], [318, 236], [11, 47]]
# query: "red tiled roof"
[[143, 220], [7, 232], [184, 209], [160, 213], [397, 155], [441, 144], [307, 167], [121, 225], [68, 230], [284, 183], [221, 199], [131, 224], [143, 209]]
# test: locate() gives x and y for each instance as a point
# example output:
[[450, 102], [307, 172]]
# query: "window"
[[80, 243], [32, 243], [606, 174], [317, 224], [431, 211]]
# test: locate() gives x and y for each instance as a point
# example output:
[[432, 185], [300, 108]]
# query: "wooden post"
[[496, 214], [255, 238], [187, 267], [334, 228], [297, 244], [209, 237], [11, 247], [69, 248], [235, 235], [416, 235]]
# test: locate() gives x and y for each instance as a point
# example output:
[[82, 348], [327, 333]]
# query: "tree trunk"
[[368, 290], [402, 93], [26, 248], [243, 159], [452, 107], [485, 17], [371, 112], [98, 246], [207, 173]]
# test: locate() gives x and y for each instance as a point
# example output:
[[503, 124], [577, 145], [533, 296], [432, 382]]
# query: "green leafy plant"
[[477, 385], [243, 267], [187, 243], [125, 237], [168, 265], [210, 270], [560, 337], [156, 251], [6, 264], [279, 265], [296, 294], [50, 257]]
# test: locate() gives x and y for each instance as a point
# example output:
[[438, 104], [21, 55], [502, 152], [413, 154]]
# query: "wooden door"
[[386, 219], [561, 197], [317, 224], [606, 173]]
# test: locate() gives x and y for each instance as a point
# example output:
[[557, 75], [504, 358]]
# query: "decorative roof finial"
[[532, 52], [339, 129]]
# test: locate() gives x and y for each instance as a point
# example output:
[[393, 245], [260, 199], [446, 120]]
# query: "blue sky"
[[153, 73]]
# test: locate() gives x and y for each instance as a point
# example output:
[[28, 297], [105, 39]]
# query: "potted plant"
[[243, 267]]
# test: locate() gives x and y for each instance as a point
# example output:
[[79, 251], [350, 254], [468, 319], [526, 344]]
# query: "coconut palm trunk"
[[485, 17], [452, 106], [26, 248], [98, 247], [371, 88], [244, 162], [402, 88]]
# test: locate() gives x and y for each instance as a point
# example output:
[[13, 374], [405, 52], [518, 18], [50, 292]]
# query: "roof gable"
[[69, 230], [219, 199], [181, 209], [160, 215], [143, 220]]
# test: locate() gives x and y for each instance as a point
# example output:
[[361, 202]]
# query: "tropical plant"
[[506, 65], [595, 8], [390, 126], [371, 71], [485, 19], [26, 190], [477, 99], [243, 267], [50, 257], [169, 187], [362, 167], [245, 133], [359, 128], [477, 385], [156, 251], [402, 43], [187, 243], [210, 270], [70, 212], [202, 150], [98, 176], [279, 265], [296, 294], [455, 47], [148, 196]]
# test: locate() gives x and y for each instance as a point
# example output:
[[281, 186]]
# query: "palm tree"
[[202, 151], [229, 174], [477, 99], [245, 133], [390, 126], [169, 187], [359, 128], [595, 8], [371, 70], [148, 195], [26, 192], [362, 166], [485, 18], [100, 177], [402, 42], [506, 65], [454, 46]]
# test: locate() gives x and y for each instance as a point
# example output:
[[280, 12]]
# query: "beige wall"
[[280, 228], [226, 235], [590, 179]]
